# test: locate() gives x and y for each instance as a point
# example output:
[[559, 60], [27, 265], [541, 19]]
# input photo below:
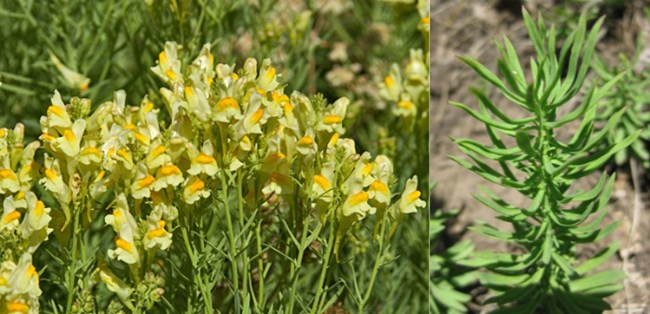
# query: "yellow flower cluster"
[[23, 223], [408, 88], [223, 125]]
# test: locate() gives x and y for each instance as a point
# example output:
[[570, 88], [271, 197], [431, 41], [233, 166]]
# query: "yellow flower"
[[226, 110], [322, 186], [332, 119], [114, 283], [125, 249], [90, 156], [410, 200], [379, 192], [157, 235], [34, 226], [17, 307], [141, 186], [267, 80], [253, 119], [169, 67], [307, 145], [357, 204], [24, 279], [392, 85], [8, 181], [204, 162], [149, 117], [53, 181], [57, 115], [275, 107], [197, 101], [167, 175], [121, 218], [194, 190], [288, 118], [68, 144], [157, 156], [203, 65], [10, 216], [405, 108], [123, 156], [361, 175]]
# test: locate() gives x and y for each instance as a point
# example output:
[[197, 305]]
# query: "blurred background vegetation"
[[334, 47]]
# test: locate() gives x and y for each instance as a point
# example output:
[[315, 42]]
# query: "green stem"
[[295, 267], [71, 276], [323, 272], [231, 240], [231, 231], [375, 269], [240, 206], [207, 297], [260, 265]]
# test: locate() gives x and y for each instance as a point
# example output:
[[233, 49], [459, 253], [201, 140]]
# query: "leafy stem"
[[321, 280]]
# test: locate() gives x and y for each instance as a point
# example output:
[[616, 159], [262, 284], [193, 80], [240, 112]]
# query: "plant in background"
[[212, 209], [447, 275], [630, 94], [545, 275]]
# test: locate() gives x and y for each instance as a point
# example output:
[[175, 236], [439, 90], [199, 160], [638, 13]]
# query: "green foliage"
[[630, 94], [545, 275], [446, 275]]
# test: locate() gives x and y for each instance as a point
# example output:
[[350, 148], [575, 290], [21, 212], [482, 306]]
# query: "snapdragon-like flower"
[[410, 200], [194, 190], [157, 156], [34, 227], [53, 180], [307, 145], [392, 84], [167, 175], [226, 109], [378, 190], [57, 115], [267, 80], [10, 216], [169, 67], [19, 289], [141, 186], [332, 119], [24, 278], [115, 284], [204, 162], [197, 102], [253, 118], [357, 204], [90, 156], [157, 235], [126, 228], [68, 144], [322, 186], [9, 182]]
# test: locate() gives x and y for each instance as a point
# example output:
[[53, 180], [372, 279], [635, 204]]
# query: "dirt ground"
[[469, 27]]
